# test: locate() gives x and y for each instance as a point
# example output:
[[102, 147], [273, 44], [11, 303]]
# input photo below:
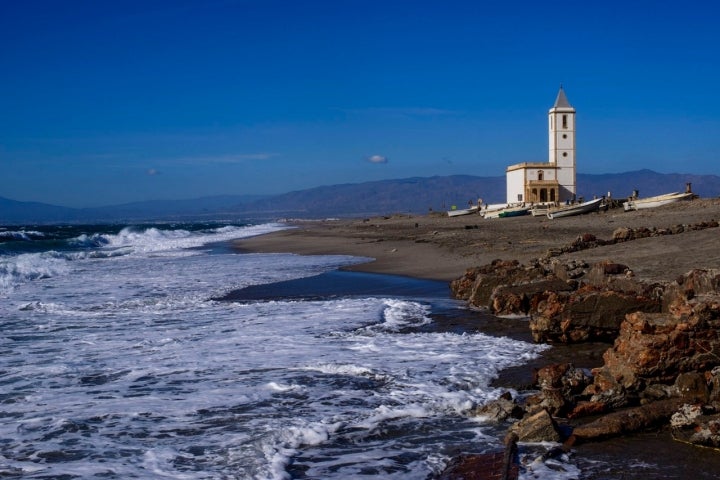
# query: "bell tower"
[[562, 145]]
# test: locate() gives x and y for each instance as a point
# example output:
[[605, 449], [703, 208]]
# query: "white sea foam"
[[20, 234], [129, 360], [15, 270]]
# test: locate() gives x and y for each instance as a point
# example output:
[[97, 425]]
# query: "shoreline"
[[434, 247], [403, 257], [437, 247]]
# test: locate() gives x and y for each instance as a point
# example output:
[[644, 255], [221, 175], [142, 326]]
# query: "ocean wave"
[[133, 240], [30, 266], [25, 235], [399, 315]]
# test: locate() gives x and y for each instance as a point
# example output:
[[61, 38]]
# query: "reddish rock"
[[587, 408], [627, 421], [589, 314], [680, 347]]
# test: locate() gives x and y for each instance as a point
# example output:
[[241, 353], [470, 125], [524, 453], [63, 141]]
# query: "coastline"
[[441, 248], [437, 247]]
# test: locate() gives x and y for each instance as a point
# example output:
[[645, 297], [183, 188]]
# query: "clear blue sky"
[[106, 102]]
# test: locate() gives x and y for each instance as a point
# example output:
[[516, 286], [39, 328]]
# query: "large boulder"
[[591, 313]]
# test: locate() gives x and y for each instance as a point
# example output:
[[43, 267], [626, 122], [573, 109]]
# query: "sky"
[[105, 102]]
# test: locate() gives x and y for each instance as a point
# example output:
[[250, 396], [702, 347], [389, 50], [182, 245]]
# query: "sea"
[[158, 351]]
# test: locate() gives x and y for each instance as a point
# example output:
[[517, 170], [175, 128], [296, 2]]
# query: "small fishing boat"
[[514, 212], [492, 210], [463, 211], [508, 211], [542, 209], [656, 201], [578, 209]]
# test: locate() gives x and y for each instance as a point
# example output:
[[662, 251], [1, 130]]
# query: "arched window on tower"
[[540, 174], [565, 121]]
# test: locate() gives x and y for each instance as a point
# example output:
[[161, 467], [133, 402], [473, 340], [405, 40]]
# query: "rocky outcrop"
[[479, 284], [665, 353], [663, 365], [567, 302], [657, 349], [591, 313]]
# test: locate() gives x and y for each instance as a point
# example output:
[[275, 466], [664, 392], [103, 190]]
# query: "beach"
[[437, 247]]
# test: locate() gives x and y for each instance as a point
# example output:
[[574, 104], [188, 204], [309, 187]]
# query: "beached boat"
[[577, 209], [463, 211], [491, 210], [542, 209], [656, 201], [514, 212], [507, 211]]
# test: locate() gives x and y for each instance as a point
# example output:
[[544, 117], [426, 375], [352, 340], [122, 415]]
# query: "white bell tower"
[[562, 145]]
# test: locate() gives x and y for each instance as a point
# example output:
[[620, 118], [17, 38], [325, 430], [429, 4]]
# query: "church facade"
[[554, 180]]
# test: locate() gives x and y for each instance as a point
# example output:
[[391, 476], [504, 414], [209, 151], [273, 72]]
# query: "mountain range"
[[410, 195]]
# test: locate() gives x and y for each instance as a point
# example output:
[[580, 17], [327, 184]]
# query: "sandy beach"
[[438, 247]]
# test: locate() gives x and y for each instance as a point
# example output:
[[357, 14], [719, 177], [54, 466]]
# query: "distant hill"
[[410, 195], [647, 182], [419, 195], [14, 212], [413, 195]]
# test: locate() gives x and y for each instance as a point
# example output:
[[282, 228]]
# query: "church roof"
[[561, 101]]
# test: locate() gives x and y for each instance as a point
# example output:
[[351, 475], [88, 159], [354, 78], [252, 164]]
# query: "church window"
[[564, 154], [564, 135], [564, 121], [540, 174]]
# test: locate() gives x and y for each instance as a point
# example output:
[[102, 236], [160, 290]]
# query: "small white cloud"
[[377, 159], [152, 171]]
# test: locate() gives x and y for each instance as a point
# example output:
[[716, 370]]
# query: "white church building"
[[554, 180]]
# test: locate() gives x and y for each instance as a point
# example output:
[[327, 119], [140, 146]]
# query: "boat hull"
[[657, 201], [579, 209], [464, 211], [513, 212]]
